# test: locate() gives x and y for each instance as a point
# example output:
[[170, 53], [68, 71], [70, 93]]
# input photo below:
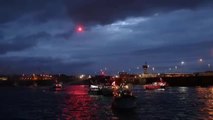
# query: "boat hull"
[[107, 91], [153, 87]]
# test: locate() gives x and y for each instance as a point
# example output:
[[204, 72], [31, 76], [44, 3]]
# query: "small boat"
[[57, 86], [156, 85], [95, 89], [124, 99]]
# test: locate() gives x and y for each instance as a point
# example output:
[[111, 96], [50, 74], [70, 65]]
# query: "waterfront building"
[[3, 78], [36, 77]]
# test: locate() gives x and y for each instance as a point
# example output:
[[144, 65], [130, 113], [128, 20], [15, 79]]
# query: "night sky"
[[40, 36]]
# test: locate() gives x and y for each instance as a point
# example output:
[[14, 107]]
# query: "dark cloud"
[[90, 11], [108, 11], [1, 35], [65, 35], [11, 10], [173, 54], [21, 65], [161, 32], [20, 43]]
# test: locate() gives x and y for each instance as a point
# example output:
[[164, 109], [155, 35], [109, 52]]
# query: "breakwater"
[[185, 81], [26, 83]]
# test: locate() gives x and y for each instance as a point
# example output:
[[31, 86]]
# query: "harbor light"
[[126, 86], [81, 76], [182, 62], [89, 76], [116, 76]]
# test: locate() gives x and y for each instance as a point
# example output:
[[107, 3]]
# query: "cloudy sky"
[[39, 36]]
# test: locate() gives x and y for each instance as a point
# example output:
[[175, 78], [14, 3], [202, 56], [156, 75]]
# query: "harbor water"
[[74, 103]]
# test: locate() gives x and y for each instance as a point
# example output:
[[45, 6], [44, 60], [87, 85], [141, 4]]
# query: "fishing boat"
[[156, 85], [123, 99]]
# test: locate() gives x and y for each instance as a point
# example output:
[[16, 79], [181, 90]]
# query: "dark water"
[[74, 103]]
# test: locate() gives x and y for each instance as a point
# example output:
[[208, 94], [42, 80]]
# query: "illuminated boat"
[[156, 85], [57, 86], [123, 99], [95, 89]]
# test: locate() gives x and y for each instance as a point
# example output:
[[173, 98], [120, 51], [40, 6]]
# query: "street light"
[[153, 68], [182, 64], [105, 68], [209, 65], [201, 60]]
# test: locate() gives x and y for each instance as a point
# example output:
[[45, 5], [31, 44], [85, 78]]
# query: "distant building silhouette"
[[145, 68]]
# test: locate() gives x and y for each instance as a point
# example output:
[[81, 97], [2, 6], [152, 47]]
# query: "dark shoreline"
[[186, 81], [37, 83], [172, 81]]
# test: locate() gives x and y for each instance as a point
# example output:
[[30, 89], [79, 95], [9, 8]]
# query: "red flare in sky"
[[80, 28]]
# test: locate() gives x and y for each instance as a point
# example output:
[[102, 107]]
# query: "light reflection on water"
[[74, 103], [206, 95], [79, 105]]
